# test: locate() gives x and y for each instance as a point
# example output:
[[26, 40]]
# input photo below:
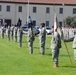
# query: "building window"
[[47, 10], [61, 10], [0, 8], [34, 9], [34, 22], [60, 23], [20, 9], [47, 23], [8, 8], [74, 10]]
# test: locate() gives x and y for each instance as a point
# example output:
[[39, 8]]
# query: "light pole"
[[27, 10], [63, 12]]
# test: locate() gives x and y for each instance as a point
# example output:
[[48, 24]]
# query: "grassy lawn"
[[18, 61]]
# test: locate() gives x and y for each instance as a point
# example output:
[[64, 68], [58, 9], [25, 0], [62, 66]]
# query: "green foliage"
[[18, 61], [70, 21]]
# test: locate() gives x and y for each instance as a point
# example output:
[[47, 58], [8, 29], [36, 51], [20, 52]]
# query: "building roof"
[[43, 1]]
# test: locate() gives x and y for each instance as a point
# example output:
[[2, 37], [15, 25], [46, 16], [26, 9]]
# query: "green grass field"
[[18, 61]]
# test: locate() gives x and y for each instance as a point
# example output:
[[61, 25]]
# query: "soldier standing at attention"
[[19, 35], [12, 31], [30, 38], [15, 33], [55, 46], [42, 38], [2, 32], [8, 33], [74, 47]]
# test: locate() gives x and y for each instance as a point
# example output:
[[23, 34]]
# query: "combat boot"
[[55, 65]]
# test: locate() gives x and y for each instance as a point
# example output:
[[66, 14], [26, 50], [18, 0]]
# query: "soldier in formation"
[[8, 33], [19, 35], [12, 31], [74, 47], [15, 33], [42, 38], [30, 38], [55, 46], [2, 32]]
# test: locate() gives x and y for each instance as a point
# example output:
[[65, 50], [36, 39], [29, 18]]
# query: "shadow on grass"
[[24, 41], [47, 48], [73, 67], [39, 48], [48, 54], [63, 55]]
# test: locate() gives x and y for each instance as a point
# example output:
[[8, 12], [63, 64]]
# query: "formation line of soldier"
[[17, 32]]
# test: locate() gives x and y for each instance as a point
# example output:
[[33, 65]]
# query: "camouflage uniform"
[[30, 39], [55, 46], [8, 33], [2, 32], [42, 38], [74, 47], [12, 31], [15, 34], [19, 35]]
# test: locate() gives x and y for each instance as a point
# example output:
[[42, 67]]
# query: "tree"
[[70, 21], [73, 23]]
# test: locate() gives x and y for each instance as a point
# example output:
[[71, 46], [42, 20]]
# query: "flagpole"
[[63, 12], [63, 37], [28, 7], [29, 17], [28, 11], [68, 53]]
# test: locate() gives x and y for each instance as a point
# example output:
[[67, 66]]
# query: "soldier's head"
[[42, 24]]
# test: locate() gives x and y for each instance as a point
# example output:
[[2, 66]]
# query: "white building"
[[40, 11]]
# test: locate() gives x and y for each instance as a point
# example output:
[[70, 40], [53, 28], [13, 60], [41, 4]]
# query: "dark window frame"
[[60, 23], [0, 7], [74, 10], [34, 9], [20, 9], [47, 23], [8, 8], [60, 10], [47, 9]]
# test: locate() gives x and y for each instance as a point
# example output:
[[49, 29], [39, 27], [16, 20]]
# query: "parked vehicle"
[[48, 30], [25, 27], [25, 30], [37, 27], [36, 31]]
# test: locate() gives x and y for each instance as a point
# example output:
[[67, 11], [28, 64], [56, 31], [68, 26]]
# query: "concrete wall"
[[39, 16]]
